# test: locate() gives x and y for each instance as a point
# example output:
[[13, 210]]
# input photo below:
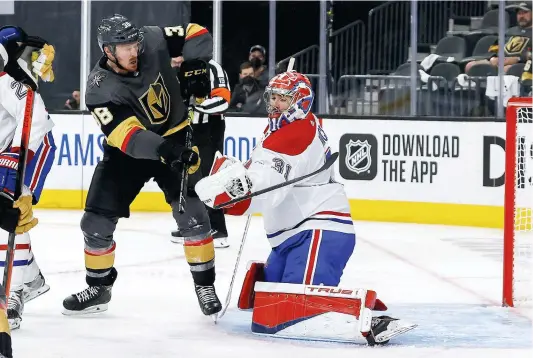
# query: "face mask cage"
[[279, 91]]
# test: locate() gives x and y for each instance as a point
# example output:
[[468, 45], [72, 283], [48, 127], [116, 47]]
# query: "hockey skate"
[[208, 300], [93, 299], [15, 308], [383, 328], [35, 288]]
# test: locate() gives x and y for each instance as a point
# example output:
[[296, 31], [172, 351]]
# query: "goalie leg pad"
[[308, 311], [254, 274]]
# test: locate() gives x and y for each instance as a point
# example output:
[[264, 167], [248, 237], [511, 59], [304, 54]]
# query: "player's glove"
[[8, 172], [17, 216], [176, 155], [41, 64], [9, 216]]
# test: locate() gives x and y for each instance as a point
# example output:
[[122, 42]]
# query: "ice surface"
[[445, 279]]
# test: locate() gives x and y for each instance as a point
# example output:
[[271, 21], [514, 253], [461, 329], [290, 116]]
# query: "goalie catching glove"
[[227, 180]]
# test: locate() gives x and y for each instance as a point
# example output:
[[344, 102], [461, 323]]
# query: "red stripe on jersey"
[[124, 145], [294, 138], [313, 254], [42, 160], [196, 34], [334, 213]]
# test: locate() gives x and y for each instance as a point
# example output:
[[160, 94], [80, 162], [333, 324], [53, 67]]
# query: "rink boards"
[[437, 171]]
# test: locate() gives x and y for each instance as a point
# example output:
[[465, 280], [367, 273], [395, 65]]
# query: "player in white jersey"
[[29, 59], [308, 225]]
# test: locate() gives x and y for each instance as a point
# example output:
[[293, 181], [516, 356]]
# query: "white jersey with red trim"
[[294, 150], [12, 104], [41, 145]]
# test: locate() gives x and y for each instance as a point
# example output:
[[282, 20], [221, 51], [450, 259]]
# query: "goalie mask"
[[288, 97]]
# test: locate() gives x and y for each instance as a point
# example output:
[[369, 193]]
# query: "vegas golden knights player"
[[134, 96]]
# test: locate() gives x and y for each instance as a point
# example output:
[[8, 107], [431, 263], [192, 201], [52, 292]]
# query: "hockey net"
[[518, 230]]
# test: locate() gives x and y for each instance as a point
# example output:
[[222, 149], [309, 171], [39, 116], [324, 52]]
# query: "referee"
[[205, 88]]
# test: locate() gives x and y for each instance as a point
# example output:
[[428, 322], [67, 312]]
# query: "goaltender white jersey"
[[294, 150], [41, 144]]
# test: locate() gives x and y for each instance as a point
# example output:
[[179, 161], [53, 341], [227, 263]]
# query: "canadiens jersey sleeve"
[[13, 101], [41, 149]]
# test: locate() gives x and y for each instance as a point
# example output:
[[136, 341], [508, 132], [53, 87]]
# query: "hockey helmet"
[[118, 30]]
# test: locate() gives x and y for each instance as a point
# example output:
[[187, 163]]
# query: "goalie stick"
[[21, 171], [329, 162], [239, 254]]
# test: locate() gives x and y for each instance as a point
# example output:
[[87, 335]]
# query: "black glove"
[[9, 216], [13, 67], [175, 154]]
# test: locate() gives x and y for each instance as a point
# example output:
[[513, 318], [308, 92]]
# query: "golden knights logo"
[[156, 101], [516, 45], [358, 157]]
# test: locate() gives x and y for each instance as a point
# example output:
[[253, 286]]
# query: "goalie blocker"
[[316, 312]]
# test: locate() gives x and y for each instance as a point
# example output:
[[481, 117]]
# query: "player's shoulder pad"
[[292, 139], [102, 87]]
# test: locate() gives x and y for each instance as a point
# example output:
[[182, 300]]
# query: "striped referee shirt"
[[220, 90]]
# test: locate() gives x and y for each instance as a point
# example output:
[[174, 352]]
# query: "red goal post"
[[518, 204]]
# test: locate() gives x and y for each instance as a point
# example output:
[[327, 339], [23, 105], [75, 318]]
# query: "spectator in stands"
[[74, 101], [518, 40], [257, 59], [248, 91]]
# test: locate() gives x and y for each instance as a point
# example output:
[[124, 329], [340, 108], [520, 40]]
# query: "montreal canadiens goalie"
[[295, 294]]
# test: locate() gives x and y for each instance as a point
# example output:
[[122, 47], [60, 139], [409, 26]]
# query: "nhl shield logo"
[[358, 158]]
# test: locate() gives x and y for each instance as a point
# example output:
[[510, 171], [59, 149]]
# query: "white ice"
[[446, 279]]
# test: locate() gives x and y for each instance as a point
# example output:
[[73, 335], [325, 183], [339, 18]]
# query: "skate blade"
[[214, 317], [401, 329], [89, 310], [36, 293], [177, 240], [14, 323], [220, 243]]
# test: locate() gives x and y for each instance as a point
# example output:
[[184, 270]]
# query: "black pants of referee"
[[210, 139]]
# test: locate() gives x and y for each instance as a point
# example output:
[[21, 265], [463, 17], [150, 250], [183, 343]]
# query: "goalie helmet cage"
[[518, 204]]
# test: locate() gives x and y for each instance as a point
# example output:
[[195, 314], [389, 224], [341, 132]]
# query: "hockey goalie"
[[295, 294]]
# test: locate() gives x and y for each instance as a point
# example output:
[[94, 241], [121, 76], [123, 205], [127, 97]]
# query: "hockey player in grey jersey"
[[134, 96]]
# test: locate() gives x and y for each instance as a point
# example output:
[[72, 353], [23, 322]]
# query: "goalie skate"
[[15, 308], [383, 328], [35, 288], [93, 299]]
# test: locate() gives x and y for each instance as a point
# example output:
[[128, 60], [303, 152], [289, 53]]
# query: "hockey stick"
[[329, 162], [21, 171], [185, 173], [239, 254]]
